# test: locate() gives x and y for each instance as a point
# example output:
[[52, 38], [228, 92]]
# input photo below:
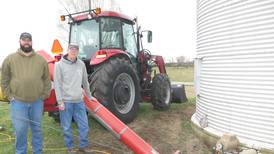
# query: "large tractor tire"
[[115, 84], [161, 92]]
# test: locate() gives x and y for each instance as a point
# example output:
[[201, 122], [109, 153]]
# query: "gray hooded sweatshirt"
[[69, 77]]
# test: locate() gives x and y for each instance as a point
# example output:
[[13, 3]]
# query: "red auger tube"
[[118, 128]]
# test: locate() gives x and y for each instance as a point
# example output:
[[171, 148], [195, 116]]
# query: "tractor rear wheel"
[[161, 92], [115, 84]]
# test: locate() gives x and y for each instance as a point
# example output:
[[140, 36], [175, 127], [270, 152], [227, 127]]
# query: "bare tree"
[[181, 59]]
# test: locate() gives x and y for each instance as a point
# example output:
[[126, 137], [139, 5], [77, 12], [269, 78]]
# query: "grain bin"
[[234, 70]]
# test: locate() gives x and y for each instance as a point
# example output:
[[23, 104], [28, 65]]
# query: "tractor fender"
[[105, 54]]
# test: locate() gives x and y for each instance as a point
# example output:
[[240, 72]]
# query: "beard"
[[26, 49]]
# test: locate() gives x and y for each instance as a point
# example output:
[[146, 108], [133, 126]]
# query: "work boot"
[[85, 150], [72, 151]]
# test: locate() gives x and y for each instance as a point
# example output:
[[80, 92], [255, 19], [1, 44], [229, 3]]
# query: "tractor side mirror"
[[149, 36]]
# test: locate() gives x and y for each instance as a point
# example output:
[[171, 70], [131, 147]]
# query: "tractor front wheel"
[[161, 92]]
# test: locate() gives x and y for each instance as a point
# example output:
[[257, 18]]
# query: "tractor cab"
[[101, 35]]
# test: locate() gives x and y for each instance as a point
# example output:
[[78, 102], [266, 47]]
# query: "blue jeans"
[[77, 110], [24, 115]]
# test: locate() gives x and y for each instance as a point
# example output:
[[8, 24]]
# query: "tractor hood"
[[104, 54]]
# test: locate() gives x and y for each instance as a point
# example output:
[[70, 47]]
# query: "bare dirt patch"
[[166, 131]]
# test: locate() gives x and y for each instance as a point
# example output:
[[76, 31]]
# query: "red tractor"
[[120, 70]]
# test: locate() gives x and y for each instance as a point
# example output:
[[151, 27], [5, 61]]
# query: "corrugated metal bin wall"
[[235, 43]]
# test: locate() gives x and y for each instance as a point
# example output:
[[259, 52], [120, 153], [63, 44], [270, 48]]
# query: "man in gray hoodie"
[[70, 76]]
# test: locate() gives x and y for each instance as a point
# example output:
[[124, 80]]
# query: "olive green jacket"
[[25, 78]]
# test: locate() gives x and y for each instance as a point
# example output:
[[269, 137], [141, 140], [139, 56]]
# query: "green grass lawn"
[[53, 134], [180, 74]]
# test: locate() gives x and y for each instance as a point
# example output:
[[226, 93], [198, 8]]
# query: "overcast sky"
[[173, 24]]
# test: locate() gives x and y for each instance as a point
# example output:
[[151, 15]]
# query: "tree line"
[[180, 61]]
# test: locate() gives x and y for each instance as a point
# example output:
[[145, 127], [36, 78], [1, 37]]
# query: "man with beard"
[[26, 83]]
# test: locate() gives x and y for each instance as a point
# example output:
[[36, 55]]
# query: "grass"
[[180, 74], [166, 131], [53, 134]]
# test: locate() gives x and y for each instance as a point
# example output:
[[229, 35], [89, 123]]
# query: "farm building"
[[234, 70]]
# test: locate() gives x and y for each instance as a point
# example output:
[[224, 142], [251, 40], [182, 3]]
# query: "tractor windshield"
[[103, 33], [86, 35], [111, 33]]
